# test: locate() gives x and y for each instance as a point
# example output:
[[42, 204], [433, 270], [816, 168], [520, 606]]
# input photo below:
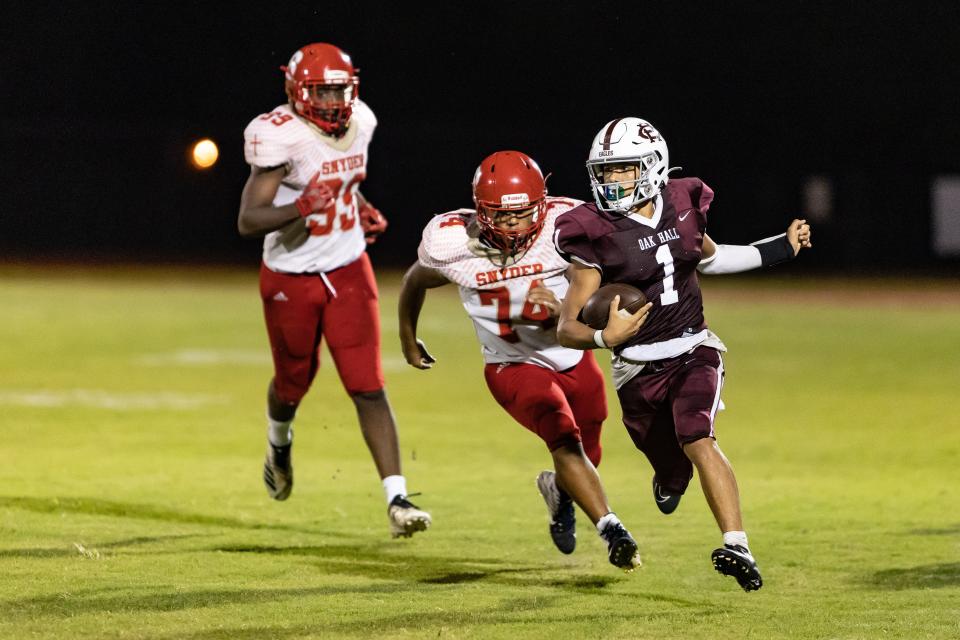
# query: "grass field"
[[131, 406]]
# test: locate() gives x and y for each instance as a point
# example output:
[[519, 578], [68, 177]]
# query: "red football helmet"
[[322, 86], [509, 181]]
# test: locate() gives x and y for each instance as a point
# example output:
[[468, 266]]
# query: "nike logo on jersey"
[[684, 216], [489, 277]]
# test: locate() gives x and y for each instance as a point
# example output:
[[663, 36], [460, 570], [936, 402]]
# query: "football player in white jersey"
[[307, 159], [511, 280]]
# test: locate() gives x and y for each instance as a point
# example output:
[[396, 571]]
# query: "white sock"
[[394, 486], [279, 434], [605, 521], [736, 538]]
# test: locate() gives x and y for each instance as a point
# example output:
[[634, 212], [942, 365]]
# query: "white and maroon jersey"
[[510, 329], [329, 239]]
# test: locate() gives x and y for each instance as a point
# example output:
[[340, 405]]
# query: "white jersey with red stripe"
[[329, 239], [510, 328]]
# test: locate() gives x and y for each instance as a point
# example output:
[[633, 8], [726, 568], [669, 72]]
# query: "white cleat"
[[406, 518]]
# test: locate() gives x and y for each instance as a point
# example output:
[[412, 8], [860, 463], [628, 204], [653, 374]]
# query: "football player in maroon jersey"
[[650, 232]]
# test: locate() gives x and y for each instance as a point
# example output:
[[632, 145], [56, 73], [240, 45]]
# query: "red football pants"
[[562, 408], [299, 309]]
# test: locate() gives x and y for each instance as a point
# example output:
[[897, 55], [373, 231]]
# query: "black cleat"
[[621, 547], [278, 471], [563, 519], [666, 502], [736, 561]]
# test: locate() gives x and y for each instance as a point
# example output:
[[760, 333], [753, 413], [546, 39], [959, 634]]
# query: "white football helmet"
[[627, 141]]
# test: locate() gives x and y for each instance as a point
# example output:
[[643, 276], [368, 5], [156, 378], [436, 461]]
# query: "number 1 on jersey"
[[669, 295]]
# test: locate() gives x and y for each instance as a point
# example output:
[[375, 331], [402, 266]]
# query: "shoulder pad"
[[690, 193], [573, 239], [364, 116], [266, 140], [558, 204], [445, 239]]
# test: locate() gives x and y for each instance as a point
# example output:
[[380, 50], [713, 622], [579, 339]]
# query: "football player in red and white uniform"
[[511, 281], [307, 159], [650, 232]]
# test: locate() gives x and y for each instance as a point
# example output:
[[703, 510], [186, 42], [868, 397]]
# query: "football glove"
[[316, 197], [372, 222]]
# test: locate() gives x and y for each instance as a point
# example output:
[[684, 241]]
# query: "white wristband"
[[598, 338]]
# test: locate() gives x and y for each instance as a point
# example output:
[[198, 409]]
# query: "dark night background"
[[102, 101]]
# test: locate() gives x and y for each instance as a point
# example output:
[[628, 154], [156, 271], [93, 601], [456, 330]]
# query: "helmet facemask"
[[328, 105], [625, 195], [511, 242]]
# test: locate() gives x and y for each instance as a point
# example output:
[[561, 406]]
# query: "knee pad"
[[693, 426], [557, 429], [290, 386]]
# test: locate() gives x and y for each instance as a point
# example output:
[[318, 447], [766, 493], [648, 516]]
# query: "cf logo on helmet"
[[645, 130]]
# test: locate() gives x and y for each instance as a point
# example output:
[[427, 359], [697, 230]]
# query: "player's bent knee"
[[590, 435], [557, 429], [565, 441], [697, 447], [289, 390], [692, 426]]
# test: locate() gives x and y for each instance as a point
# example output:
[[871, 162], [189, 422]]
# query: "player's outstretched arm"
[[416, 281], [572, 333], [731, 258]]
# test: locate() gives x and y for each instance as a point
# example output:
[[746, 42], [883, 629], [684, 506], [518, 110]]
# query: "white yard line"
[[206, 357], [111, 400], [243, 357]]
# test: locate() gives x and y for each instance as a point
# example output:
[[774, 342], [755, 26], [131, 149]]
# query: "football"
[[597, 309]]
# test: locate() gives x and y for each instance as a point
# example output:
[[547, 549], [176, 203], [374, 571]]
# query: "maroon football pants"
[[300, 309], [562, 407], [671, 403]]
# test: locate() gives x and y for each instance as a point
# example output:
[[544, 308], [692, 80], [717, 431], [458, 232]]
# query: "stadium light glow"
[[204, 154]]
